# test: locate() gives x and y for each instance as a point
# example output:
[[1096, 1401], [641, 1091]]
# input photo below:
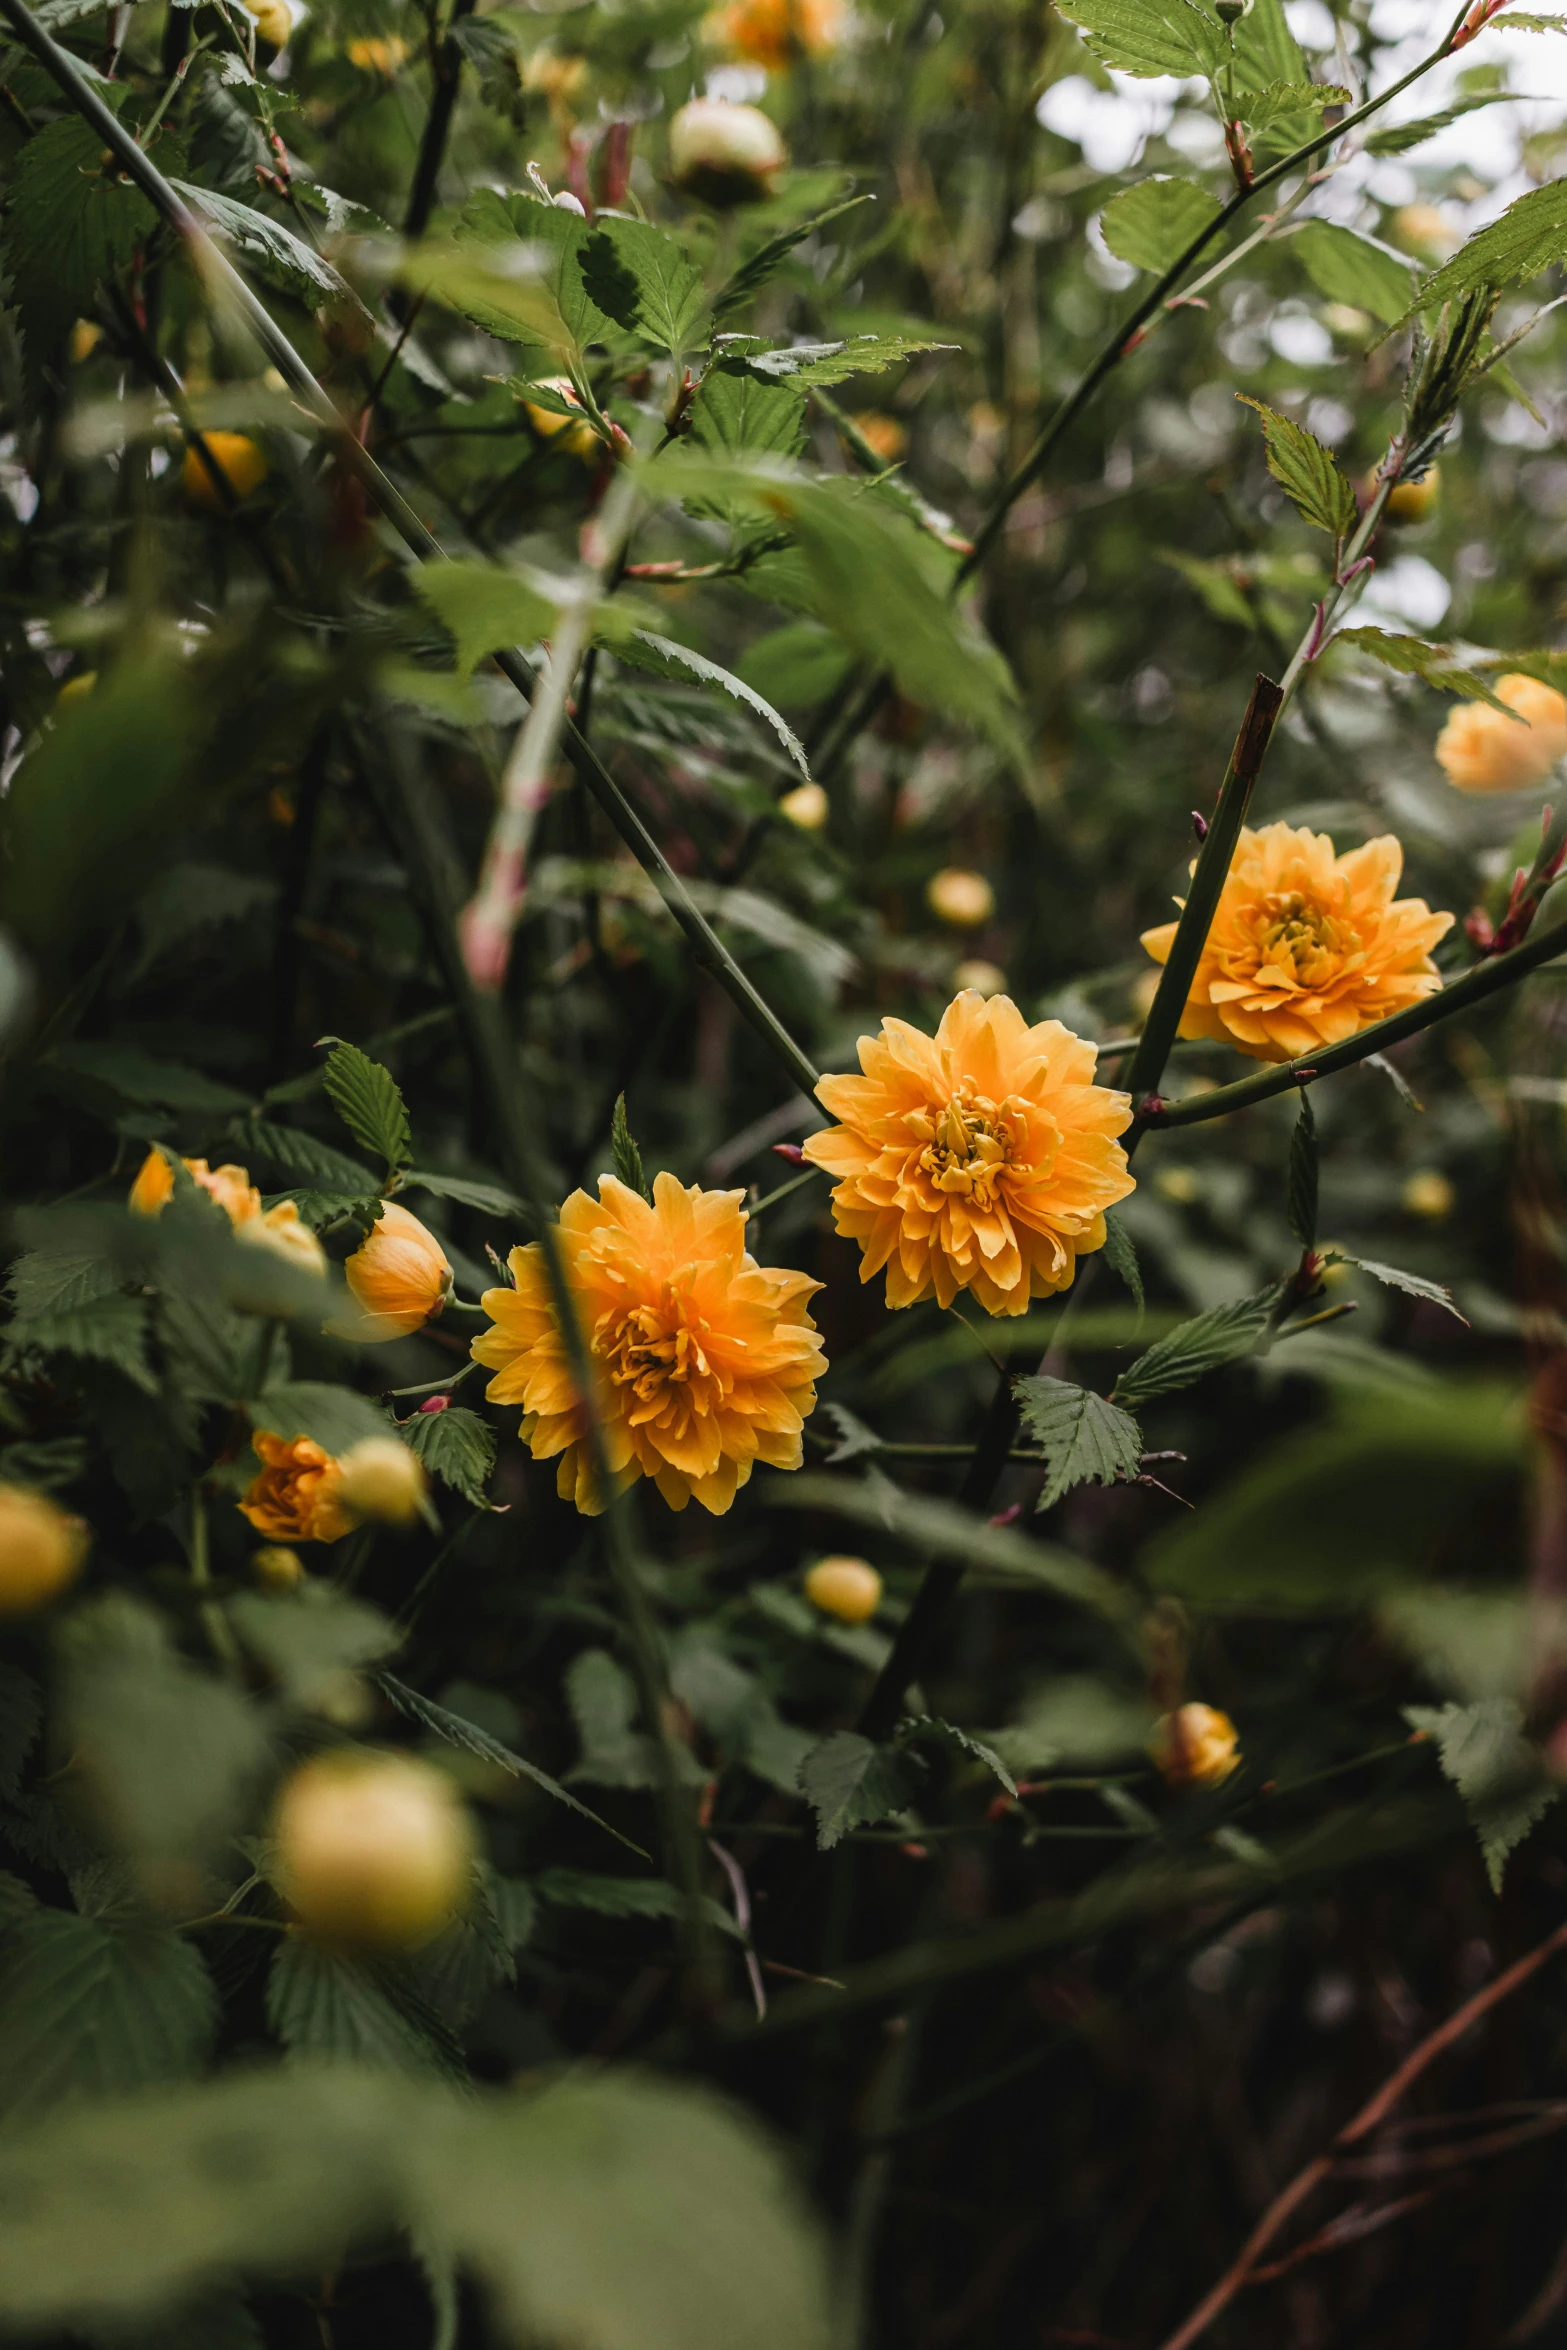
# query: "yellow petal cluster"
[[1307, 947], [399, 1277], [775, 32], [1196, 1746], [982, 1158], [705, 1359], [297, 1497], [279, 1228], [1481, 750]]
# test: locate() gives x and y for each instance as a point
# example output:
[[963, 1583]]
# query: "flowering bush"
[[619, 626]]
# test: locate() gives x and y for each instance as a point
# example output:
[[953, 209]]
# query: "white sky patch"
[[1409, 592], [1111, 126]]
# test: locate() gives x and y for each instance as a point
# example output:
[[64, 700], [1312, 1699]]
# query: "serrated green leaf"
[[136, 1076], [1222, 1335], [1351, 268], [367, 1099], [1301, 1205], [1444, 666], [1412, 1285], [467, 1735], [501, 229], [1152, 224], [110, 1330], [768, 258], [482, 608], [849, 1783], [491, 1199], [278, 254], [1305, 471], [736, 413], [624, 1151], [295, 1153], [603, 1702], [933, 1728], [1086, 1439], [622, 1897], [72, 225], [1529, 237], [90, 2010], [335, 1417], [831, 363], [457, 1446], [1120, 1254], [60, 1280], [1498, 1773], [639, 277], [1258, 108], [1399, 137], [642, 649], [324, 2005], [1148, 37]]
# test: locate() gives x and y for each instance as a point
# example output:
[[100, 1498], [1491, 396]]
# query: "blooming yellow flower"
[[806, 806], [1196, 1746], [774, 32], [705, 1359], [399, 1277], [374, 1850], [1307, 947], [297, 1497], [230, 1186], [41, 1548], [1480, 750], [983, 1158]]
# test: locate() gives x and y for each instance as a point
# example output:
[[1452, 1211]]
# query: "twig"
[[446, 66]]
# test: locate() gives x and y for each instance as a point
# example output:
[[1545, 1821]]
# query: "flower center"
[[650, 1349], [1295, 934], [968, 1149]]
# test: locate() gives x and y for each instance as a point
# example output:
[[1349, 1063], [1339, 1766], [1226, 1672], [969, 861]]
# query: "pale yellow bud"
[[724, 153], [1196, 1746], [984, 978], [1428, 1193], [382, 1478], [1412, 501], [399, 1277], [807, 806], [282, 1230], [847, 1588], [374, 1851], [277, 1567], [41, 1548], [274, 20], [963, 899]]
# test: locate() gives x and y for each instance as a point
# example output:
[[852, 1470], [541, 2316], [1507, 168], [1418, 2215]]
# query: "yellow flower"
[[298, 1495], [274, 20], [705, 1359], [983, 1158], [774, 32], [847, 1588], [579, 440], [964, 899], [374, 1850], [1196, 1746], [241, 461], [1412, 501], [1307, 947], [1480, 750], [806, 806], [41, 1548], [282, 1230], [382, 57], [230, 1186], [383, 1478], [399, 1277], [1428, 1193]]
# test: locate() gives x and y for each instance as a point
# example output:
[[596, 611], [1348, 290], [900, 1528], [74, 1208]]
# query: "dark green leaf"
[[1120, 1253], [1222, 1335], [1498, 1773], [622, 1897], [1152, 224], [640, 278], [467, 1735], [309, 1639], [335, 1417], [641, 649], [366, 1098], [279, 255], [1348, 267], [491, 1199], [89, 2009], [354, 2011], [72, 225], [1305, 471], [112, 1330], [301, 1155], [1085, 1439], [1302, 1203], [623, 1149], [931, 1728], [21, 1719], [457, 1446], [849, 1783]]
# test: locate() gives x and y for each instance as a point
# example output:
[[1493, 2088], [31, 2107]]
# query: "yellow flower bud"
[[399, 1277], [724, 153], [959, 897], [229, 1185], [383, 1478], [86, 335], [41, 1548], [277, 1567], [241, 461], [77, 688], [1481, 749], [847, 1588], [579, 440], [1196, 1746], [274, 20], [984, 978], [1428, 1193], [807, 806], [283, 1230], [373, 55], [374, 1850], [1412, 501], [888, 436]]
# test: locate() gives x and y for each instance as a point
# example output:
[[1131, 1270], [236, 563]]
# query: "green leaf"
[[1498, 1773], [736, 413], [768, 258], [665, 658], [1152, 224], [854, 1437], [640, 278], [72, 225], [111, 1330], [1338, 1514], [1258, 108], [483, 608], [1443, 666], [457, 1446], [1148, 37], [1412, 1285], [849, 1783], [622, 1897], [503, 229], [1120, 1254], [21, 1719], [1399, 137], [1086, 1440], [1305, 471], [335, 1417], [60, 1281], [1215, 580], [491, 1199], [281, 257], [308, 1640], [141, 1077], [831, 363], [366, 1098], [92, 2009], [930, 1727], [1222, 1335], [603, 1702], [1301, 1206], [472, 1740], [1529, 237], [354, 2011], [623, 1149], [1348, 267], [291, 1150]]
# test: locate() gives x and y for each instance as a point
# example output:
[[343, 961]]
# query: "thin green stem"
[[795, 1183]]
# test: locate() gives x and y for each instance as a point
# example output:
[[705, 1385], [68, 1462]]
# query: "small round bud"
[[41, 1549], [374, 1850], [578, 440], [274, 20], [241, 461], [806, 806], [77, 688], [984, 978], [887, 436], [564, 201], [1428, 1193], [1196, 1746], [382, 1478], [1412, 501], [847, 1588], [963, 899], [399, 1277], [1231, 11], [724, 153], [276, 1567]]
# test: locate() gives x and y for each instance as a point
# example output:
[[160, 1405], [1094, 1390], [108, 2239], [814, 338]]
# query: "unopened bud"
[[374, 1850], [41, 1548], [277, 1567], [1196, 1746], [724, 153], [847, 1588], [382, 1478]]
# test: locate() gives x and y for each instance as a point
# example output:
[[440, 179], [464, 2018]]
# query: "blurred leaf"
[[1305, 471], [1120, 1254], [366, 1098], [603, 1701], [1335, 1515], [308, 1639], [754, 273], [1202, 1345], [854, 1437], [1152, 224], [1480, 1644], [1497, 1772], [1301, 1205], [467, 1735], [931, 1729], [641, 649], [491, 1199], [1085, 1439], [187, 900], [140, 1077], [622, 1897], [90, 2010], [300, 1155], [21, 1719], [71, 226], [457, 1446], [323, 2004], [483, 608], [333, 1416], [623, 1150], [640, 278], [1529, 237], [1398, 137], [1216, 583], [1077, 1719], [1148, 37], [280, 257], [849, 1783], [1348, 267]]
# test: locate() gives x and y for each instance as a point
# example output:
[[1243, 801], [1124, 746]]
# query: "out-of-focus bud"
[[579, 440], [399, 1277], [1412, 501], [86, 335], [1425, 229], [807, 806], [888, 436], [371, 54], [1196, 1746], [230, 1186], [77, 688], [960, 898], [282, 1230], [382, 1478], [374, 1850], [274, 20], [724, 153], [984, 978], [1428, 1193], [276, 1567], [241, 461], [41, 1549], [847, 1588]]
